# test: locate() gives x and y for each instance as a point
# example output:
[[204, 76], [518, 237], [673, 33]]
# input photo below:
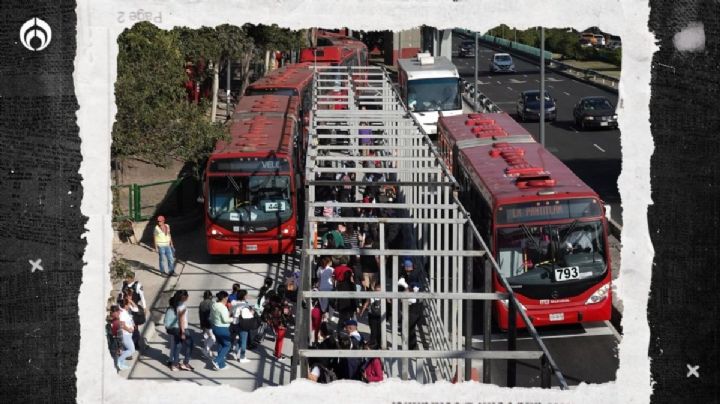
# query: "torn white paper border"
[[101, 21]]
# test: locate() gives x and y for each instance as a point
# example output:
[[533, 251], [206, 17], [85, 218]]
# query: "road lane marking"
[[537, 81], [525, 75], [613, 330], [599, 148], [498, 81], [508, 87], [566, 93], [516, 81]]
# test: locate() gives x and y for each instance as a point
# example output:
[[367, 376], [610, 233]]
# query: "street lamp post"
[[542, 86], [475, 93]]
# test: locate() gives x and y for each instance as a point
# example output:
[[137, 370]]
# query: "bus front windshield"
[[433, 95], [251, 203], [544, 254]]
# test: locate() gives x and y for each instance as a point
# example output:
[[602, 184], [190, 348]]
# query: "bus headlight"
[[214, 232], [286, 230], [599, 295], [505, 304]]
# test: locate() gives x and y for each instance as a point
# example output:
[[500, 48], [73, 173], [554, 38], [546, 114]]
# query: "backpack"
[[171, 320], [372, 370], [327, 375], [335, 239]]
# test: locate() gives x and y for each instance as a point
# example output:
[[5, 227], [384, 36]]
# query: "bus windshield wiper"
[[233, 183], [530, 236], [569, 231]]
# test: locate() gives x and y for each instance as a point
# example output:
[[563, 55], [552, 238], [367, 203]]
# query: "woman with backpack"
[[243, 322]]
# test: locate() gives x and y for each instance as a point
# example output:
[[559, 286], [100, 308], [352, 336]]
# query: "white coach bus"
[[430, 86]]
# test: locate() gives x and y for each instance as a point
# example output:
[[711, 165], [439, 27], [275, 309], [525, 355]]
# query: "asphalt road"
[[594, 155]]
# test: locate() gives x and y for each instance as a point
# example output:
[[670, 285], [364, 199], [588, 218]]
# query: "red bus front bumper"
[[558, 313], [248, 246]]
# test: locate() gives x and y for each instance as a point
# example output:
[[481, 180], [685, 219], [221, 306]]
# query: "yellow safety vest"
[[162, 239]]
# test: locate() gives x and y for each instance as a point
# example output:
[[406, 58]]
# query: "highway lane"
[[594, 155]]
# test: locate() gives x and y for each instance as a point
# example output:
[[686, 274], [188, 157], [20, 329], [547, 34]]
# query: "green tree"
[[154, 121]]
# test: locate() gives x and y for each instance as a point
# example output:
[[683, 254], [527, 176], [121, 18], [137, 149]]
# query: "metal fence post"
[[468, 303], [136, 211], [511, 342], [487, 320], [544, 372]]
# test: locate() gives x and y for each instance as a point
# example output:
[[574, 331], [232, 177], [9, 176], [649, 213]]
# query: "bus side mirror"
[[200, 199], [607, 211], [461, 88]]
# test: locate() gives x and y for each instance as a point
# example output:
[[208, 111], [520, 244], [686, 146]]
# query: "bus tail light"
[[599, 295]]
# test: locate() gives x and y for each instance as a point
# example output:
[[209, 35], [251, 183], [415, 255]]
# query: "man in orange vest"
[[164, 245]]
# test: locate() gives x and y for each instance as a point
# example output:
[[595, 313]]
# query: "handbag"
[[139, 316]]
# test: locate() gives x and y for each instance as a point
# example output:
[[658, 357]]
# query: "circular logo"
[[35, 34], [554, 294]]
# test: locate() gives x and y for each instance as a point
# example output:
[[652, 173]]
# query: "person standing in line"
[[246, 322], [374, 309], [136, 313], [233, 295], [183, 339], [370, 265], [204, 312], [325, 274], [164, 245], [127, 326], [220, 320]]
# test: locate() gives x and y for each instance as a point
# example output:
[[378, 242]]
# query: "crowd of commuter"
[[335, 321], [230, 324]]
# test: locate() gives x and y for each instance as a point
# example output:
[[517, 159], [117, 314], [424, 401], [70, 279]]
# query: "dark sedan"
[[528, 106], [467, 49], [595, 112]]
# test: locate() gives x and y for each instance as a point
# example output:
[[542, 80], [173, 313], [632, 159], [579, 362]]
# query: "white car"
[[502, 62]]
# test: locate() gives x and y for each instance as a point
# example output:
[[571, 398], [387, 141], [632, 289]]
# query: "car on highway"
[[596, 112], [528, 106], [467, 49], [502, 62]]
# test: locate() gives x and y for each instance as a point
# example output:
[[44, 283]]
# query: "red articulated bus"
[[336, 50], [292, 80], [251, 181], [546, 228]]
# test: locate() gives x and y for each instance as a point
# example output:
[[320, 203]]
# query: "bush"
[[119, 268]]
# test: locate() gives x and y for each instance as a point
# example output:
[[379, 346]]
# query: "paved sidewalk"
[[198, 272]]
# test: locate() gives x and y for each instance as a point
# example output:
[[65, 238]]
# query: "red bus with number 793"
[[546, 228]]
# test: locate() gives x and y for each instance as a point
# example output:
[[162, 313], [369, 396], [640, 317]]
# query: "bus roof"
[[506, 163], [462, 130], [257, 135], [500, 180], [441, 67], [267, 104], [324, 54], [294, 76]]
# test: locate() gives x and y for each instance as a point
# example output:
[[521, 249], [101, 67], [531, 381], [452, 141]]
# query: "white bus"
[[430, 86]]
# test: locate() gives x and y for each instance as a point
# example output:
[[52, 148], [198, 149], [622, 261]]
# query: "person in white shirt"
[[128, 326]]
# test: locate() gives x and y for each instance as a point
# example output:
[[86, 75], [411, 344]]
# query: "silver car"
[[502, 62]]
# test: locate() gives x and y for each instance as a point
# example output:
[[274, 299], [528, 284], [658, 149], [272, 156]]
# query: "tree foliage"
[[154, 120], [564, 41]]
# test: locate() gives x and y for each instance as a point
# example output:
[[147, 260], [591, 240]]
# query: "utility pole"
[[542, 86], [475, 85]]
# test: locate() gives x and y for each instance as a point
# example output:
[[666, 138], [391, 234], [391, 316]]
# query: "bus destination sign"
[[249, 165], [548, 210]]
